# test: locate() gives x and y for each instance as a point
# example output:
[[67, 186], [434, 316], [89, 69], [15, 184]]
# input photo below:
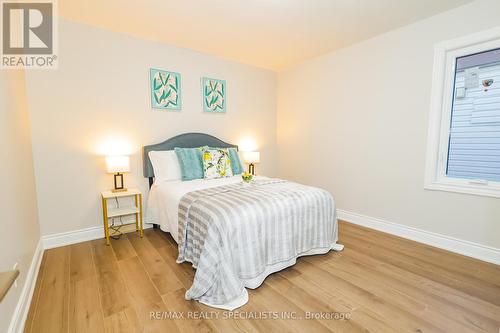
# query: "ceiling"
[[273, 34]]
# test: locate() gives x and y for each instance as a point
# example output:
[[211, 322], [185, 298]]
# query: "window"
[[463, 153]]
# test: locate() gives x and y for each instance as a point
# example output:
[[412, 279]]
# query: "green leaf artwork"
[[214, 95], [165, 89]]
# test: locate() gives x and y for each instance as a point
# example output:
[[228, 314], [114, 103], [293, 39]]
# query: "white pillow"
[[165, 165]]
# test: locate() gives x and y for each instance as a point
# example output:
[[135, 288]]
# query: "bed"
[[233, 233]]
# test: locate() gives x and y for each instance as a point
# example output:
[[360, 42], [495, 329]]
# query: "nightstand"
[[121, 211]]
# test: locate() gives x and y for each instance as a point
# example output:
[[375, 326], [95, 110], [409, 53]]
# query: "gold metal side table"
[[121, 211]]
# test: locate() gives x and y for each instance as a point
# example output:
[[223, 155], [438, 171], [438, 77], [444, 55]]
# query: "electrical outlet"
[[14, 268]]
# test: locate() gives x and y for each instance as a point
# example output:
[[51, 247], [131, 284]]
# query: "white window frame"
[[445, 54]]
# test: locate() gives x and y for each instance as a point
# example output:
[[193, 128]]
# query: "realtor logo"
[[28, 34]]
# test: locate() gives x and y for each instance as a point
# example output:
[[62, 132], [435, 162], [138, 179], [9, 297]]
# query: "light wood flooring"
[[384, 283]]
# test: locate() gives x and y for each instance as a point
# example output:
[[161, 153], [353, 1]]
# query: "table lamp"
[[251, 157], [118, 165]]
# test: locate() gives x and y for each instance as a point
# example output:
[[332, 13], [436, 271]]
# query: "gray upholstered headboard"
[[186, 140]]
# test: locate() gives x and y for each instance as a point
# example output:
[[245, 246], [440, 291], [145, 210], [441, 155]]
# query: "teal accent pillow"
[[235, 161], [190, 160]]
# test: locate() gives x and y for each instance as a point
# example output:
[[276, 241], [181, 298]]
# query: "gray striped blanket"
[[236, 235]]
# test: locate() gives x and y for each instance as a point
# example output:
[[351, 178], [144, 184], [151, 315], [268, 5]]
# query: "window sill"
[[464, 187]]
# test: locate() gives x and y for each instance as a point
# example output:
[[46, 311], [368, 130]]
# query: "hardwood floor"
[[383, 283]]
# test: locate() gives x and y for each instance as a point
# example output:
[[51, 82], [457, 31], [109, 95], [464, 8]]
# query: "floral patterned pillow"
[[216, 163]]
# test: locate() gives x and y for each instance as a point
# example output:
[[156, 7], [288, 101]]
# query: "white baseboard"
[[470, 249], [72, 237], [21, 312], [75, 236]]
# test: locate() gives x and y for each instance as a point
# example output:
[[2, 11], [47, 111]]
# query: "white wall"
[[18, 214], [101, 91], [355, 122]]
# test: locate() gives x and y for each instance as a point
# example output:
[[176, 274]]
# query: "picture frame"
[[165, 90], [214, 95]]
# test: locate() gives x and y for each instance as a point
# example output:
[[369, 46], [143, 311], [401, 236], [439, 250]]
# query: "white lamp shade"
[[251, 156], [116, 164]]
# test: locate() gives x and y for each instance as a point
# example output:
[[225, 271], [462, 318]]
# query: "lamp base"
[[118, 180], [251, 169]]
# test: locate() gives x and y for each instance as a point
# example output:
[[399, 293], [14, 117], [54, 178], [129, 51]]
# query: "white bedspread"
[[236, 235]]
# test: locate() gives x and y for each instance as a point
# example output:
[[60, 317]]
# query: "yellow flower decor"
[[247, 177]]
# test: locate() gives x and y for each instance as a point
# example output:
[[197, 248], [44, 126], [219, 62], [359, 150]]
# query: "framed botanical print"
[[214, 95], [165, 90]]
